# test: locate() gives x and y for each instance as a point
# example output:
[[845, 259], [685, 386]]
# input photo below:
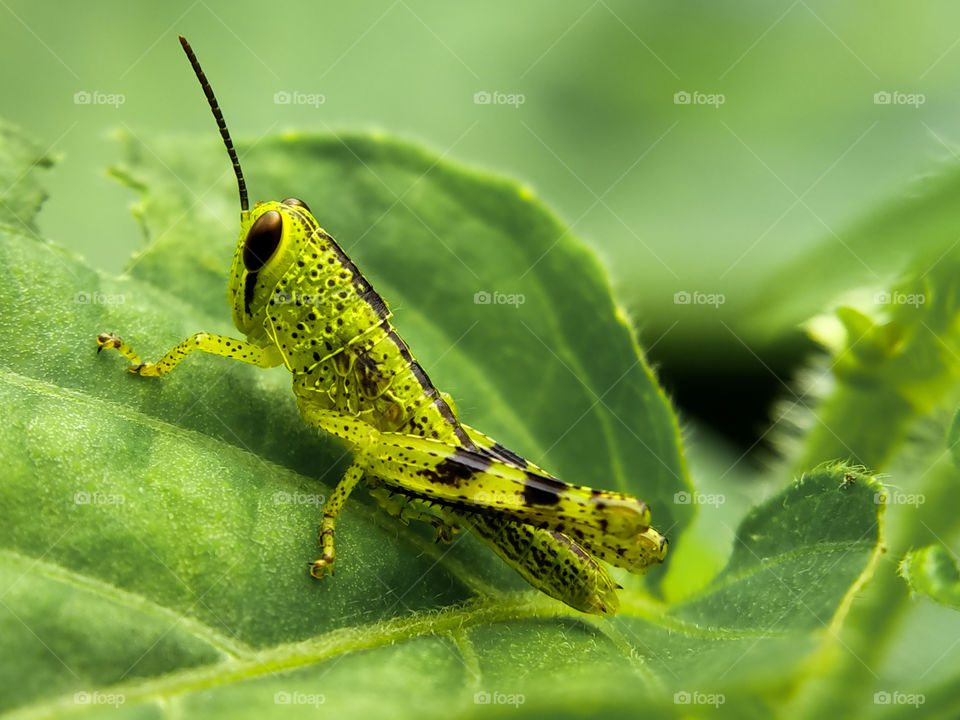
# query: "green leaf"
[[155, 534], [933, 571]]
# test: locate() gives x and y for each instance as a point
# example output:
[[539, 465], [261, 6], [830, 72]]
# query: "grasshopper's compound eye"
[[262, 240], [296, 202]]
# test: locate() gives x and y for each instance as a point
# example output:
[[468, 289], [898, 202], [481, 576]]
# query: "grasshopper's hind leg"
[[551, 562], [407, 509], [330, 511]]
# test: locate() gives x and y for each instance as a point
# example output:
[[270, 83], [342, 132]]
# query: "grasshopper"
[[301, 302]]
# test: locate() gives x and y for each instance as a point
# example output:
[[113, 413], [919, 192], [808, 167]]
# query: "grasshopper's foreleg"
[[204, 342], [331, 509]]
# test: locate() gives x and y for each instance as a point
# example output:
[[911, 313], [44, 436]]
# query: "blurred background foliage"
[[727, 199]]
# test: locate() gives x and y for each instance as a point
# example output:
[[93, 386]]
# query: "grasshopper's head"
[[273, 237]]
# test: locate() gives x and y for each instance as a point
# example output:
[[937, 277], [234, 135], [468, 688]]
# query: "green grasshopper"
[[301, 302]]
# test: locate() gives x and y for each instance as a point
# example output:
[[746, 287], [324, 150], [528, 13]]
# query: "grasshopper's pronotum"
[[301, 302]]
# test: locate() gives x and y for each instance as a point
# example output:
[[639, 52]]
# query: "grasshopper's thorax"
[[293, 288]]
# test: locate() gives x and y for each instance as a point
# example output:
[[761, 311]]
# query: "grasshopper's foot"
[[445, 532], [143, 369], [109, 341], [319, 567]]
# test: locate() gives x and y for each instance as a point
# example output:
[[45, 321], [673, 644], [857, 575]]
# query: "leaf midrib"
[[447, 622]]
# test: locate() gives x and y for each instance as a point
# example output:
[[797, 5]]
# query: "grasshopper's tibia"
[[331, 509], [549, 561], [406, 508], [204, 342]]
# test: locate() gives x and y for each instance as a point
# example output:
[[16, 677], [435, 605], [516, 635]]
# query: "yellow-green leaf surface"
[[155, 533], [933, 571]]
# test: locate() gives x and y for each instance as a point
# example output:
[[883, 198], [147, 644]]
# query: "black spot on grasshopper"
[[452, 473], [249, 285], [473, 461], [542, 490], [460, 467], [435, 479]]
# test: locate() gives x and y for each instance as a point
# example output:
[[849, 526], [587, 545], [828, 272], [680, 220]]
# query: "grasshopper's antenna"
[[221, 123]]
